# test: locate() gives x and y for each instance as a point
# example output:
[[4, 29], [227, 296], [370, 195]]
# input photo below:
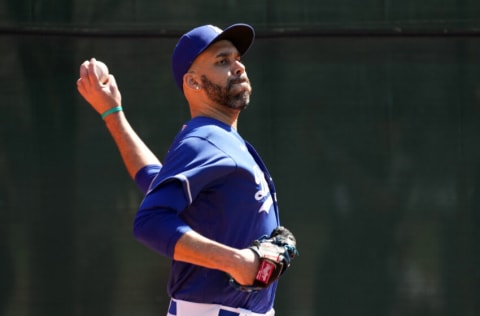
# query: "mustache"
[[240, 79]]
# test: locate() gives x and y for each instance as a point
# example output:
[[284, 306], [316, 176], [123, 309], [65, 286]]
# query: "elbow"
[[139, 230], [158, 230]]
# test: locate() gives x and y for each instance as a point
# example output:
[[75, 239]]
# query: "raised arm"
[[104, 97]]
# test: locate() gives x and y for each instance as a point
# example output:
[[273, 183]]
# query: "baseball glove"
[[275, 253]]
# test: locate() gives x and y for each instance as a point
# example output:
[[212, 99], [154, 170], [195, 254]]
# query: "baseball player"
[[211, 206]]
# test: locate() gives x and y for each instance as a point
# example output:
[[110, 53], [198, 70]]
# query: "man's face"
[[223, 76]]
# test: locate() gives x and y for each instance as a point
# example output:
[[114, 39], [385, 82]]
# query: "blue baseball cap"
[[194, 42]]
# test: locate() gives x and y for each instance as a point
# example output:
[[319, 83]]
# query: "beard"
[[225, 96]]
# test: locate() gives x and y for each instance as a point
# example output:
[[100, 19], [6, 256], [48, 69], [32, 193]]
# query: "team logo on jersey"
[[264, 193]]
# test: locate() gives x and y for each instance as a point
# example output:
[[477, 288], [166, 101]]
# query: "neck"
[[222, 114]]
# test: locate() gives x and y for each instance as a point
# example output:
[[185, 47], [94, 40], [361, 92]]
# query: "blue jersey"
[[216, 184]]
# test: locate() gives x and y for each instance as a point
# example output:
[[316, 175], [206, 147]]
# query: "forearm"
[[133, 150], [193, 248]]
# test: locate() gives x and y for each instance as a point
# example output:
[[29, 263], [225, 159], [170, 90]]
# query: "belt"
[[184, 308]]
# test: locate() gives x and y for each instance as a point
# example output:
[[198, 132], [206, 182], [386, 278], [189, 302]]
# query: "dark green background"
[[366, 112]]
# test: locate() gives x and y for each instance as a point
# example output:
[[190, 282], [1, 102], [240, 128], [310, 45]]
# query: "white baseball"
[[102, 71]]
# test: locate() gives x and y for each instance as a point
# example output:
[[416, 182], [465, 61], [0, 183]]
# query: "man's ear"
[[190, 80]]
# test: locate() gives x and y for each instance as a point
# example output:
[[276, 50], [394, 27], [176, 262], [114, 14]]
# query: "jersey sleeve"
[[157, 224], [145, 176], [197, 164]]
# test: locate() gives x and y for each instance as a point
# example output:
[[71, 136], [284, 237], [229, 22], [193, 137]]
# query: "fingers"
[[88, 72], [84, 69], [80, 87], [88, 77], [92, 73], [113, 87], [83, 81]]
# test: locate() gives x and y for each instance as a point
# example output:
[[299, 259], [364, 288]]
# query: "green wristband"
[[112, 110]]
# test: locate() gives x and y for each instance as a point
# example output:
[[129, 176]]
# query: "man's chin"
[[241, 102]]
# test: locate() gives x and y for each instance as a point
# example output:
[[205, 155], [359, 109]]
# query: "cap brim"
[[241, 35]]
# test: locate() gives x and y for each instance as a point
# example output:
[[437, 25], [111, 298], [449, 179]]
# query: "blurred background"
[[366, 112]]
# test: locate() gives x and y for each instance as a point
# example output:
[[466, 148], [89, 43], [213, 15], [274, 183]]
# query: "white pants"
[[184, 308]]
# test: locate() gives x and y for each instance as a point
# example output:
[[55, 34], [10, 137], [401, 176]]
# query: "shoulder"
[[202, 134]]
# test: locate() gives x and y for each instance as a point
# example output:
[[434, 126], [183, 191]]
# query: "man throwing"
[[211, 206]]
